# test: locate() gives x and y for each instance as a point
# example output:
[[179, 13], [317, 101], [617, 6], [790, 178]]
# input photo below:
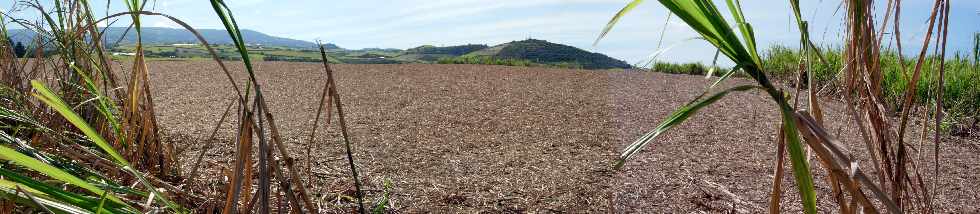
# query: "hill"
[[158, 35], [544, 52], [430, 53], [457, 50]]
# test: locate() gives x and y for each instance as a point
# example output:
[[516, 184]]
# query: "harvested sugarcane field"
[[475, 138], [489, 106]]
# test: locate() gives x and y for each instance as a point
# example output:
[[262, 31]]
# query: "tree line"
[[19, 49]]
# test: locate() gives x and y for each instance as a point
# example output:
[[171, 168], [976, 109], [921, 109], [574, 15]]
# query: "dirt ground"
[[474, 138]]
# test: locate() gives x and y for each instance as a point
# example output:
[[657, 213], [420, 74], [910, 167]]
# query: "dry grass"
[[465, 138]]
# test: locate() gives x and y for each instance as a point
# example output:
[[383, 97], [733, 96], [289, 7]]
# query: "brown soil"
[[473, 138]]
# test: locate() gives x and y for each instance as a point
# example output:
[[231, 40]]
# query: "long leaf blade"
[[615, 19], [51, 171], [45, 95], [676, 118], [797, 156], [54, 101]]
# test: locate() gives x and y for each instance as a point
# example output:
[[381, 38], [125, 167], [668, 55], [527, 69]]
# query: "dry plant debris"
[[474, 138]]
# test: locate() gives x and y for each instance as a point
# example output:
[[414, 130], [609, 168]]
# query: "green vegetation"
[[547, 53], [961, 93], [430, 54], [530, 52], [18, 48], [486, 60], [225, 52], [457, 50], [694, 68], [258, 53]]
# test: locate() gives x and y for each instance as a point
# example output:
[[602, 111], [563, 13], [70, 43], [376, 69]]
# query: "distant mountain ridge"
[[159, 35]]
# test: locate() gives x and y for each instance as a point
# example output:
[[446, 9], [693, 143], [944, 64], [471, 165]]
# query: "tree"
[[20, 50]]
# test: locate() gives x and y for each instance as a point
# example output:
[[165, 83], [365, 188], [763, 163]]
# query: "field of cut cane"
[[473, 138]]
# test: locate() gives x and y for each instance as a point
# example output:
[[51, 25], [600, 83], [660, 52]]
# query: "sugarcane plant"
[[74, 138], [739, 45]]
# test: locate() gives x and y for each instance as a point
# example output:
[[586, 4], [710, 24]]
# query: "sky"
[[409, 23]]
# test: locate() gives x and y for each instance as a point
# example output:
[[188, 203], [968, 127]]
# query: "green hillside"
[[544, 52], [430, 53], [457, 50]]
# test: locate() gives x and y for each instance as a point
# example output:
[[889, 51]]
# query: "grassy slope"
[[429, 53], [544, 52]]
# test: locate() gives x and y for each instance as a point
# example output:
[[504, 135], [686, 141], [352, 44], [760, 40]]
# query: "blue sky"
[[409, 23]]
